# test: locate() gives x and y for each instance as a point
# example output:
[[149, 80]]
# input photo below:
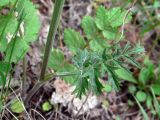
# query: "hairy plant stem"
[[50, 39], [24, 67], [51, 36]]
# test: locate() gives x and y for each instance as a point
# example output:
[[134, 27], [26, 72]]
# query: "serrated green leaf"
[[89, 27], [118, 16], [110, 34], [101, 17], [69, 68], [113, 17], [73, 40], [31, 29], [19, 50], [95, 46], [8, 27], [58, 63], [56, 60]]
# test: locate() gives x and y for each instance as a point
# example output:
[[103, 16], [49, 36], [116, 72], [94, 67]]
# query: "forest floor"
[[109, 106]]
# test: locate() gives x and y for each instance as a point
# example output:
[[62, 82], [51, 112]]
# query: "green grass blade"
[[156, 103], [142, 110]]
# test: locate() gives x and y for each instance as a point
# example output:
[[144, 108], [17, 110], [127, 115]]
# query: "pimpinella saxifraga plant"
[[96, 53]]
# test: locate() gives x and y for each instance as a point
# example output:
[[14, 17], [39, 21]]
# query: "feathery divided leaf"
[[87, 65], [89, 27]]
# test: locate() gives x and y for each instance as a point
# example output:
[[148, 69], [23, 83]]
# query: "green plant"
[[148, 79], [17, 106], [148, 17], [16, 33], [46, 106], [93, 55], [96, 53], [156, 103]]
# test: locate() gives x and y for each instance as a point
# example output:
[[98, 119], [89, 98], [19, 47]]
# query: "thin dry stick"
[[12, 114], [6, 118], [125, 17], [38, 113], [2, 114], [82, 105]]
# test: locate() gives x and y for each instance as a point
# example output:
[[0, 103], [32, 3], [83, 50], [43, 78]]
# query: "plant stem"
[[24, 75], [24, 66], [39, 84], [51, 36], [50, 39]]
